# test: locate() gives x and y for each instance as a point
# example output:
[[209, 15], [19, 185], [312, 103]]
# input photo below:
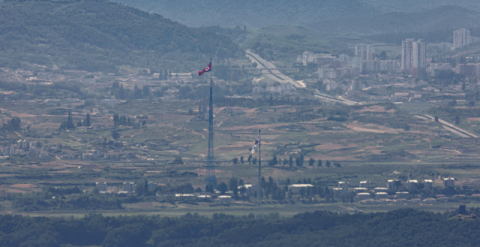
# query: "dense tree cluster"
[[396, 228], [14, 124], [119, 92]]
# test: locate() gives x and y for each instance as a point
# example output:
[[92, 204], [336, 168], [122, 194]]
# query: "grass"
[[284, 210], [172, 132]]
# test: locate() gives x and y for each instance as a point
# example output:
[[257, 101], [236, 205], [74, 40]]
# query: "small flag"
[[255, 145], [207, 69]]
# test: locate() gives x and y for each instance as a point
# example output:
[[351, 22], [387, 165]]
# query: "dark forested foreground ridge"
[[396, 228], [97, 35]]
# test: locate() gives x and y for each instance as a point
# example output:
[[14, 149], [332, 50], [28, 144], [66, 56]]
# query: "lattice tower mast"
[[210, 176]]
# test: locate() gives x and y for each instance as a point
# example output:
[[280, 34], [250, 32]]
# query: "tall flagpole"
[[210, 174]]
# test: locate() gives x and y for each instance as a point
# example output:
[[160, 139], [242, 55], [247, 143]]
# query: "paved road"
[[330, 98], [269, 70], [450, 127]]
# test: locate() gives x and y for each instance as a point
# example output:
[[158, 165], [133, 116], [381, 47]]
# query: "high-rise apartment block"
[[461, 38], [414, 56], [366, 52]]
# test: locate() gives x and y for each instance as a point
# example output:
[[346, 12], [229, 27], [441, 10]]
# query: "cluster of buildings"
[[468, 69], [127, 187], [331, 67], [461, 38], [413, 59], [365, 192], [24, 147], [90, 155], [277, 88]]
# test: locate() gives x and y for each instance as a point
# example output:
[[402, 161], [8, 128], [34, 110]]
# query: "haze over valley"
[[213, 123]]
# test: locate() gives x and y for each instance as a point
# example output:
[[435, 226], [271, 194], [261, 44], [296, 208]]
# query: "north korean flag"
[[207, 69]]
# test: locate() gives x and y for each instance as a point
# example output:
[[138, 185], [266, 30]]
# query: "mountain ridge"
[[100, 34], [262, 13], [442, 18]]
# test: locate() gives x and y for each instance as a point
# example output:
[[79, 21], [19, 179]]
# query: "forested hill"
[[263, 13], [441, 18], [396, 229], [253, 13], [99, 35]]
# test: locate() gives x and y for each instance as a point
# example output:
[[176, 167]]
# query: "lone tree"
[[209, 188], [87, 120], [69, 123], [235, 160], [319, 163], [233, 185], [299, 160], [327, 164], [241, 159], [115, 134], [311, 161], [273, 161], [222, 187]]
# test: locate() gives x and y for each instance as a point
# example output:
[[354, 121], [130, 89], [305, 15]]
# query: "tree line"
[[405, 227]]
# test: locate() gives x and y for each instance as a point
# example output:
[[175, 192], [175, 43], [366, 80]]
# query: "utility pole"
[[259, 194]]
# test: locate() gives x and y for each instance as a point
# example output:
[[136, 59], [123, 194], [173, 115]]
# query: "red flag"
[[207, 69]]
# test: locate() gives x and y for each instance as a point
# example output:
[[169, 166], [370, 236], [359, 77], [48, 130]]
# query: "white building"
[[129, 187], [360, 190], [224, 198], [363, 196], [101, 186], [248, 188], [185, 195], [365, 184], [461, 38], [324, 59], [427, 184], [439, 48], [330, 85], [365, 52], [357, 63], [307, 58], [371, 65], [414, 56], [326, 73], [338, 192], [380, 189], [381, 195], [295, 188], [448, 182], [435, 67], [401, 194], [412, 184], [152, 186], [387, 65], [391, 185], [343, 58], [343, 185]]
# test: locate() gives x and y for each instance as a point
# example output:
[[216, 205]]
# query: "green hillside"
[[442, 18], [99, 35], [252, 13]]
